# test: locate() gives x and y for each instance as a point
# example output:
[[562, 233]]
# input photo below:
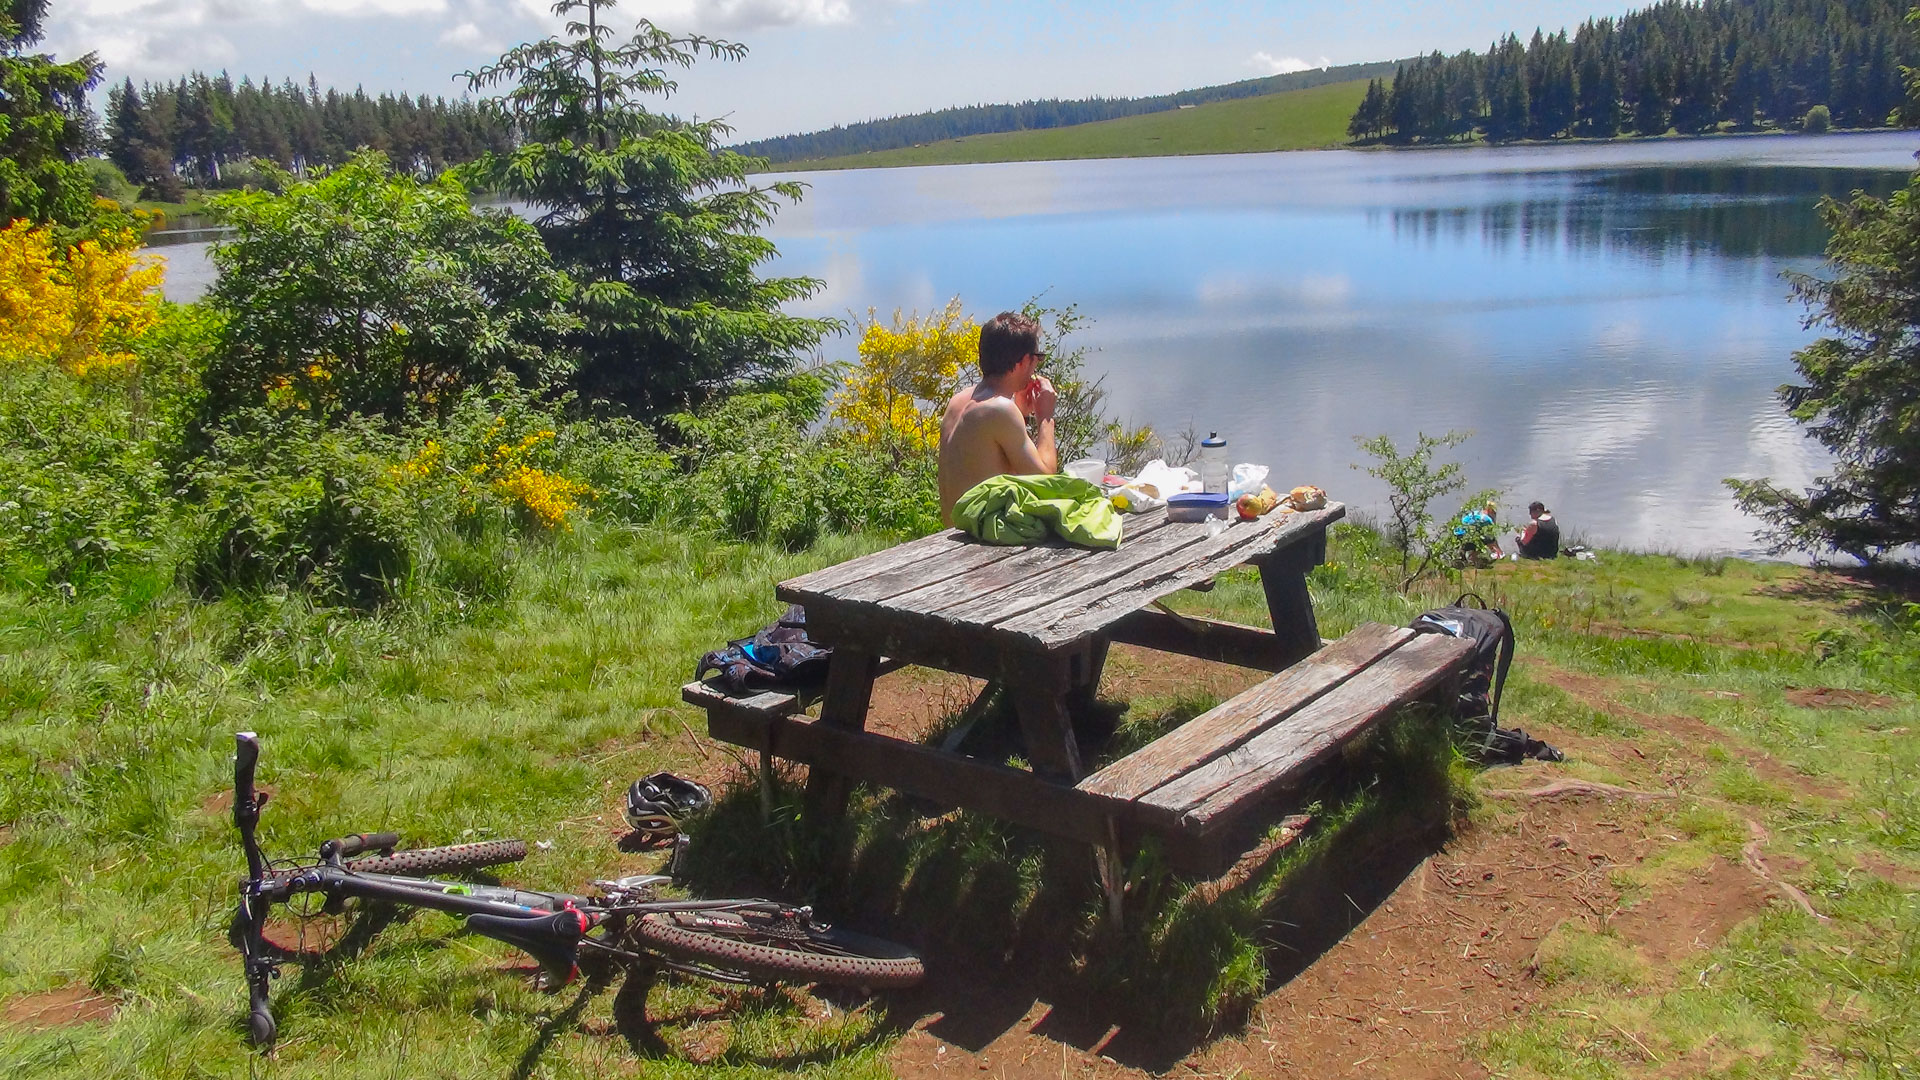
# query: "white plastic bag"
[[1247, 480], [1168, 479]]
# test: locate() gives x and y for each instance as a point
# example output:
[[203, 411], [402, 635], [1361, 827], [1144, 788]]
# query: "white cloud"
[[469, 36], [350, 8], [1284, 65], [733, 16]]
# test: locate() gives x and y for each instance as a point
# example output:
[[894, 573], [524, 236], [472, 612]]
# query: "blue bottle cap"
[[1213, 439]]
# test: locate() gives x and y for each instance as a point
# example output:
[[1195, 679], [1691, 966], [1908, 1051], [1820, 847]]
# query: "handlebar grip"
[[359, 842], [246, 755]]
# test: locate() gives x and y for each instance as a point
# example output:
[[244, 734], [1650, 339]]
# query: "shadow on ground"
[[1008, 920]]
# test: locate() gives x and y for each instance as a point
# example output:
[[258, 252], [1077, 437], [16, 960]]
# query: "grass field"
[[1295, 120], [1667, 676]]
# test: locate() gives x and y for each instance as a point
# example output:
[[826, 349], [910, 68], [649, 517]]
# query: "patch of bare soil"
[[1679, 759], [1672, 926], [1832, 697], [1445, 957], [60, 1008]]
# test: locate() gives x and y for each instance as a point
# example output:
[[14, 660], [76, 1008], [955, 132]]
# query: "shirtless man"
[[984, 431]]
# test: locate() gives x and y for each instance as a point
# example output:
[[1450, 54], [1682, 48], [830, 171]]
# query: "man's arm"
[[1038, 401]]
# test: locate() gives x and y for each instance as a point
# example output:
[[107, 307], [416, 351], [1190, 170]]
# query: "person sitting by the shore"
[[1480, 534], [1541, 538], [984, 432]]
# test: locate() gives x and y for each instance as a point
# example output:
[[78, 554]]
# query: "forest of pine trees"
[[1694, 67], [202, 131]]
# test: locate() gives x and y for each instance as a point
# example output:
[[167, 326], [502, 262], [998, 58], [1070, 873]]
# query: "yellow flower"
[[79, 309], [906, 373]]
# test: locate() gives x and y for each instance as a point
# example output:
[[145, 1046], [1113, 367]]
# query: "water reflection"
[[1610, 319]]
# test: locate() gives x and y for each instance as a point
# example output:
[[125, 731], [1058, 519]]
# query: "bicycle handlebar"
[[357, 843], [246, 805]]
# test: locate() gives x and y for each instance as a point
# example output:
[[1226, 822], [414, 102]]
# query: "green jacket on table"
[[1026, 509]]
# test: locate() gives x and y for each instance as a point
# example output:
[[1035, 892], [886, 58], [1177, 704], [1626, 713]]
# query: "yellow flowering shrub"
[[550, 499], [906, 372], [79, 309]]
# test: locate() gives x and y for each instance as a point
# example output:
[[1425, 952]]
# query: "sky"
[[811, 63]]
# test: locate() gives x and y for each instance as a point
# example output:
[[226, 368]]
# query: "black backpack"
[[778, 657], [1477, 711]]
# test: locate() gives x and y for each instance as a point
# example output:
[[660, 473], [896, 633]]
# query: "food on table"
[[1256, 504], [1306, 497]]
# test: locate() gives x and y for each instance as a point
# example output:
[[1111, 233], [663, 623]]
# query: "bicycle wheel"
[[442, 860], [779, 949]]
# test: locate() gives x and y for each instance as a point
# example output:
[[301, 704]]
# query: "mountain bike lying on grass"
[[734, 941]]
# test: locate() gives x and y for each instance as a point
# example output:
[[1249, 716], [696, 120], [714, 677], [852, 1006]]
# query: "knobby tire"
[[442, 860], [826, 955]]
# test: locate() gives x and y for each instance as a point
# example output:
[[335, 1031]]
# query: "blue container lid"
[[1210, 500]]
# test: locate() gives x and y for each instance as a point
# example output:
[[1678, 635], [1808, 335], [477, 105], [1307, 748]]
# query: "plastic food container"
[[1092, 470], [1197, 506]]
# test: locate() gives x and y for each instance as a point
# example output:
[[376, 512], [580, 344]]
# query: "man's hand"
[[1038, 399]]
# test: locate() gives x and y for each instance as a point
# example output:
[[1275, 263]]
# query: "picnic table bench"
[[1037, 621]]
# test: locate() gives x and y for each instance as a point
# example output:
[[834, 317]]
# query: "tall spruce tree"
[[654, 220], [1859, 393], [45, 125]]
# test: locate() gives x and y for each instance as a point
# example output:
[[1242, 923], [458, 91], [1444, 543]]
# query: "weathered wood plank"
[[827, 579], [850, 676], [1005, 793], [768, 702], [1221, 730], [1030, 567], [1104, 599], [1207, 639], [1095, 568], [1283, 752]]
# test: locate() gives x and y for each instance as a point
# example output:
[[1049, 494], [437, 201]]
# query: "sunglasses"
[[1038, 357]]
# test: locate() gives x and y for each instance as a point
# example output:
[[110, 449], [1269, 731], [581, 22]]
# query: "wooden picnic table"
[[1037, 622]]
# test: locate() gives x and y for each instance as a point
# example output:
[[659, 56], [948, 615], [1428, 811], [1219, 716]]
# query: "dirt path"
[[1450, 953]]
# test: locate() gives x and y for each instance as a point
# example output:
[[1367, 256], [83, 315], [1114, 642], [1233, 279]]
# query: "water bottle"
[[1214, 470]]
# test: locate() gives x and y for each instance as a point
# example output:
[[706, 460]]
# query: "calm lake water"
[[1609, 320]]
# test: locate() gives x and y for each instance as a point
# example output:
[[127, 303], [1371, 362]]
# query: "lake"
[[1610, 320]]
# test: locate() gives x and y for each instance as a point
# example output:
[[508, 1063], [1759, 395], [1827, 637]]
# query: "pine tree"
[[654, 220], [45, 125]]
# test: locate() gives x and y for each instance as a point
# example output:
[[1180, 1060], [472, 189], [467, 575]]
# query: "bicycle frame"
[[549, 926]]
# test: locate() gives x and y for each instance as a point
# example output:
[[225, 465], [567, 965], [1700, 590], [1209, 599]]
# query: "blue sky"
[[813, 63]]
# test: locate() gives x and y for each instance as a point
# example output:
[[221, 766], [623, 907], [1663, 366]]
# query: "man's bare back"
[[984, 434], [984, 431]]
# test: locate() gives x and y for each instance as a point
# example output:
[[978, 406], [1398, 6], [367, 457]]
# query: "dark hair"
[[1536, 509], [1005, 340]]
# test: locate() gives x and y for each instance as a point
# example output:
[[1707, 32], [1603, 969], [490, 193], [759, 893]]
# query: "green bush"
[[286, 501], [1819, 119], [79, 487], [369, 293]]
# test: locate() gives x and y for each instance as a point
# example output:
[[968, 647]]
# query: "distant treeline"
[[898, 131], [1677, 65], [203, 131]]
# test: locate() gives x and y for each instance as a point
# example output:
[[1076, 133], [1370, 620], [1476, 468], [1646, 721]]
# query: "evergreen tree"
[[1507, 106], [654, 220], [1860, 390], [45, 125]]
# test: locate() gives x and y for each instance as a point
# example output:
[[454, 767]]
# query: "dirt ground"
[[64, 1007], [1446, 951]]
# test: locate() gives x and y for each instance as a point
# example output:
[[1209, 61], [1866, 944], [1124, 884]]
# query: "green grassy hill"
[[1294, 120]]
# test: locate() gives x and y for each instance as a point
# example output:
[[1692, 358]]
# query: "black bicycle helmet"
[[657, 804]]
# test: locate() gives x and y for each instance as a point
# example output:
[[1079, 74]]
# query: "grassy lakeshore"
[[1757, 717], [1295, 120]]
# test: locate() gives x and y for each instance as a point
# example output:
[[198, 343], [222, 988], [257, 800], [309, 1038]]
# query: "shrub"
[[897, 390], [1818, 119], [78, 307], [287, 501], [365, 292], [80, 488]]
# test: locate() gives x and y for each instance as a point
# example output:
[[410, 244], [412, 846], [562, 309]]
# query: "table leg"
[[850, 678], [1040, 687], [1080, 700], [1283, 576]]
